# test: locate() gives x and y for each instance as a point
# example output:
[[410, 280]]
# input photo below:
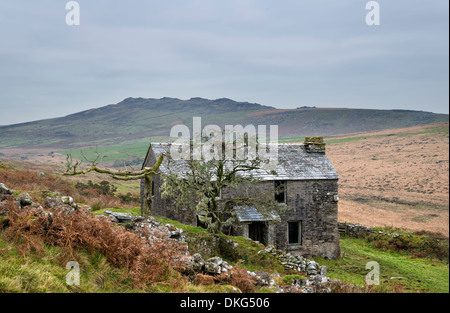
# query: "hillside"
[[396, 177], [149, 255], [138, 121]]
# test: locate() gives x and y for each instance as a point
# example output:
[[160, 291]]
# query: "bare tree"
[[74, 168], [201, 187]]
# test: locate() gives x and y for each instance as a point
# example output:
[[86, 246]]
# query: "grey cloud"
[[278, 53]]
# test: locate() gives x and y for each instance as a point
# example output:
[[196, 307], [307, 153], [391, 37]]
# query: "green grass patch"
[[292, 278], [231, 248], [415, 274], [134, 211], [187, 228]]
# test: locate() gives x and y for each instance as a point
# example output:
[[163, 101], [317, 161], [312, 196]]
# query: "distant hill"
[[139, 120]]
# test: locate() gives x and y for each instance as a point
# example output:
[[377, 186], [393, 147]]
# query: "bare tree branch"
[[73, 169]]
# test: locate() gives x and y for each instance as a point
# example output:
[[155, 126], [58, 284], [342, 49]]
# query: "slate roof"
[[251, 214], [294, 163]]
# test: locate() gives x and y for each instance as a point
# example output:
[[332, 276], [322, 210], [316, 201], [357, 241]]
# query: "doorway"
[[257, 231]]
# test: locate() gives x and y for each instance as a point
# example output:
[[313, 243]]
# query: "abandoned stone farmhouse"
[[308, 183]]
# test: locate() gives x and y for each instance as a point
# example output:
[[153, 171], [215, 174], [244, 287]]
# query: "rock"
[[67, 200], [138, 219], [49, 217], [312, 268], [197, 263], [262, 278], [212, 266], [56, 203], [318, 279], [216, 260], [42, 174], [51, 194], [5, 190], [175, 234], [120, 217], [226, 266], [24, 199], [113, 219], [53, 202]]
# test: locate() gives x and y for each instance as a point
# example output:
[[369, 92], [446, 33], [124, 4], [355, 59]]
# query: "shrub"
[[148, 261], [201, 279], [129, 198], [97, 206], [241, 279], [419, 244], [104, 188], [291, 279]]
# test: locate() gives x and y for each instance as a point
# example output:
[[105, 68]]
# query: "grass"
[[45, 274], [416, 274], [188, 228], [134, 211], [246, 250], [433, 129], [43, 270]]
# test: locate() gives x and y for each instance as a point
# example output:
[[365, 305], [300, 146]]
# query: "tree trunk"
[[147, 208]]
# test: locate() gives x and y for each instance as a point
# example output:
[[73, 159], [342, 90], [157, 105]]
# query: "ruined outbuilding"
[[309, 184]]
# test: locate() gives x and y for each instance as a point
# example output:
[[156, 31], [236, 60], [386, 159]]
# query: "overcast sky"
[[285, 53]]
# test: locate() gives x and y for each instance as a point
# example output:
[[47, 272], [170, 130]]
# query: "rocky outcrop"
[[5, 192], [24, 199], [65, 203]]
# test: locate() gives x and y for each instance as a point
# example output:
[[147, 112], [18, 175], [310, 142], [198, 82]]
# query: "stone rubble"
[[316, 280]]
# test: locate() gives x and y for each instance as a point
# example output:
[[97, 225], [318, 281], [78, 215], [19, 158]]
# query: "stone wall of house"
[[315, 204], [316, 207], [166, 207]]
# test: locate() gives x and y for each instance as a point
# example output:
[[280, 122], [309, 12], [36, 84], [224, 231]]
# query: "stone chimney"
[[314, 144]]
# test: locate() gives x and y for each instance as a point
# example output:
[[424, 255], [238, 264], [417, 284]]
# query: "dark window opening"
[[294, 232], [280, 191], [258, 231]]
